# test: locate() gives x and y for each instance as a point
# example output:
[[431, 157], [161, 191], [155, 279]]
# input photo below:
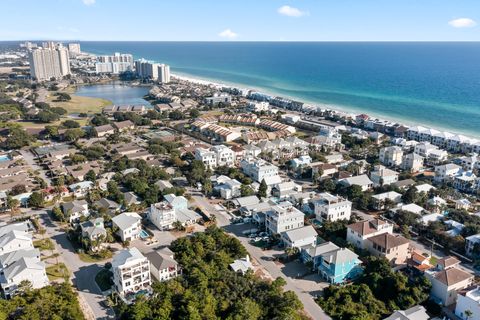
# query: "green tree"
[[262, 189], [74, 134], [36, 200]]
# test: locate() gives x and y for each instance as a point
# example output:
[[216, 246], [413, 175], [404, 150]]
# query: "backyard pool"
[[4, 157], [144, 234]]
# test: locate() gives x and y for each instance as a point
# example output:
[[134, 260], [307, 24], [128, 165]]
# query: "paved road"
[[313, 309], [30, 160], [83, 273]]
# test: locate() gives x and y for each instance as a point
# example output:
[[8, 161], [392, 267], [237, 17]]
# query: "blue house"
[[334, 264], [177, 202]]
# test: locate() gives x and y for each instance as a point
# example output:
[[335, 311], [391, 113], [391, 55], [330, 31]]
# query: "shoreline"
[[348, 110], [337, 108]]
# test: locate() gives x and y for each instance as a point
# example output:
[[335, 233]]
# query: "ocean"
[[433, 84]]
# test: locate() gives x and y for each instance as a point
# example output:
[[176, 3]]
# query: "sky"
[[241, 20]]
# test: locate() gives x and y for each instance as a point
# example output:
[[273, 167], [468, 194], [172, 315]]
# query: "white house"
[[227, 188], [412, 162], [300, 237], [359, 232], [26, 268], [283, 217], [75, 209], [14, 240], [362, 181], [413, 313], [129, 225], [218, 155], [131, 272], [242, 265], [258, 169], [162, 215], [332, 208], [468, 299], [382, 176], [446, 171], [379, 200], [391, 156], [81, 189]]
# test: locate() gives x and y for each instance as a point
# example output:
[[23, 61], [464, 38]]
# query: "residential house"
[[413, 162], [14, 240], [131, 272], [468, 303], [107, 205], [177, 202], [75, 209], [414, 313], [162, 215], [81, 189], [336, 265], [284, 189], [472, 245], [242, 265], [300, 237], [129, 225], [123, 126], [259, 169], [283, 217], [332, 208], [447, 280], [381, 200], [362, 181], [93, 229], [391, 156], [394, 248], [24, 269], [359, 232], [227, 188], [162, 265], [446, 172], [382, 176], [102, 131]]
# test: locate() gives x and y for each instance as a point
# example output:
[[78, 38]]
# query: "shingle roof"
[[452, 276], [366, 227], [388, 241]]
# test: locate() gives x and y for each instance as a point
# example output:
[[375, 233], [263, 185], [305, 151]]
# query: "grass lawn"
[[57, 271], [85, 257], [104, 279], [33, 124], [44, 244], [79, 104], [433, 261]]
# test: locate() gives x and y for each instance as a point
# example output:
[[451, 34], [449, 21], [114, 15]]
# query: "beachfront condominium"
[[50, 62], [154, 71], [74, 49], [118, 63]]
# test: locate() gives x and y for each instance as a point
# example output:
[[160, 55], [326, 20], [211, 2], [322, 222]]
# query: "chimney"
[[247, 258]]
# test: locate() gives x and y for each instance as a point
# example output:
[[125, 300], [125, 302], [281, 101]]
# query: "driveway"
[[83, 273], [30, 160]]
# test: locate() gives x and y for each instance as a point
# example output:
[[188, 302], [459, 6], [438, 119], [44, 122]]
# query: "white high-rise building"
[[48, 63], [115, 64], [74, 49], [154, 71], [146, 69], [164, 73]]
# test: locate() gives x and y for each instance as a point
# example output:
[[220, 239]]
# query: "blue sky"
[[241, 20]]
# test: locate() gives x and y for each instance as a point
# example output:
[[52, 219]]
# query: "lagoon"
[[117, 92]]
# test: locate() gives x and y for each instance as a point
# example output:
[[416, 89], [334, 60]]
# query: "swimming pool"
[[144, 234], [4, 157]]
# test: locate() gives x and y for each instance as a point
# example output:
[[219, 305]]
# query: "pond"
[[117, 92]]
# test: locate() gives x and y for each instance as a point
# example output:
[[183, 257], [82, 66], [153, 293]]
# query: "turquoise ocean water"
[[435, 84]]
